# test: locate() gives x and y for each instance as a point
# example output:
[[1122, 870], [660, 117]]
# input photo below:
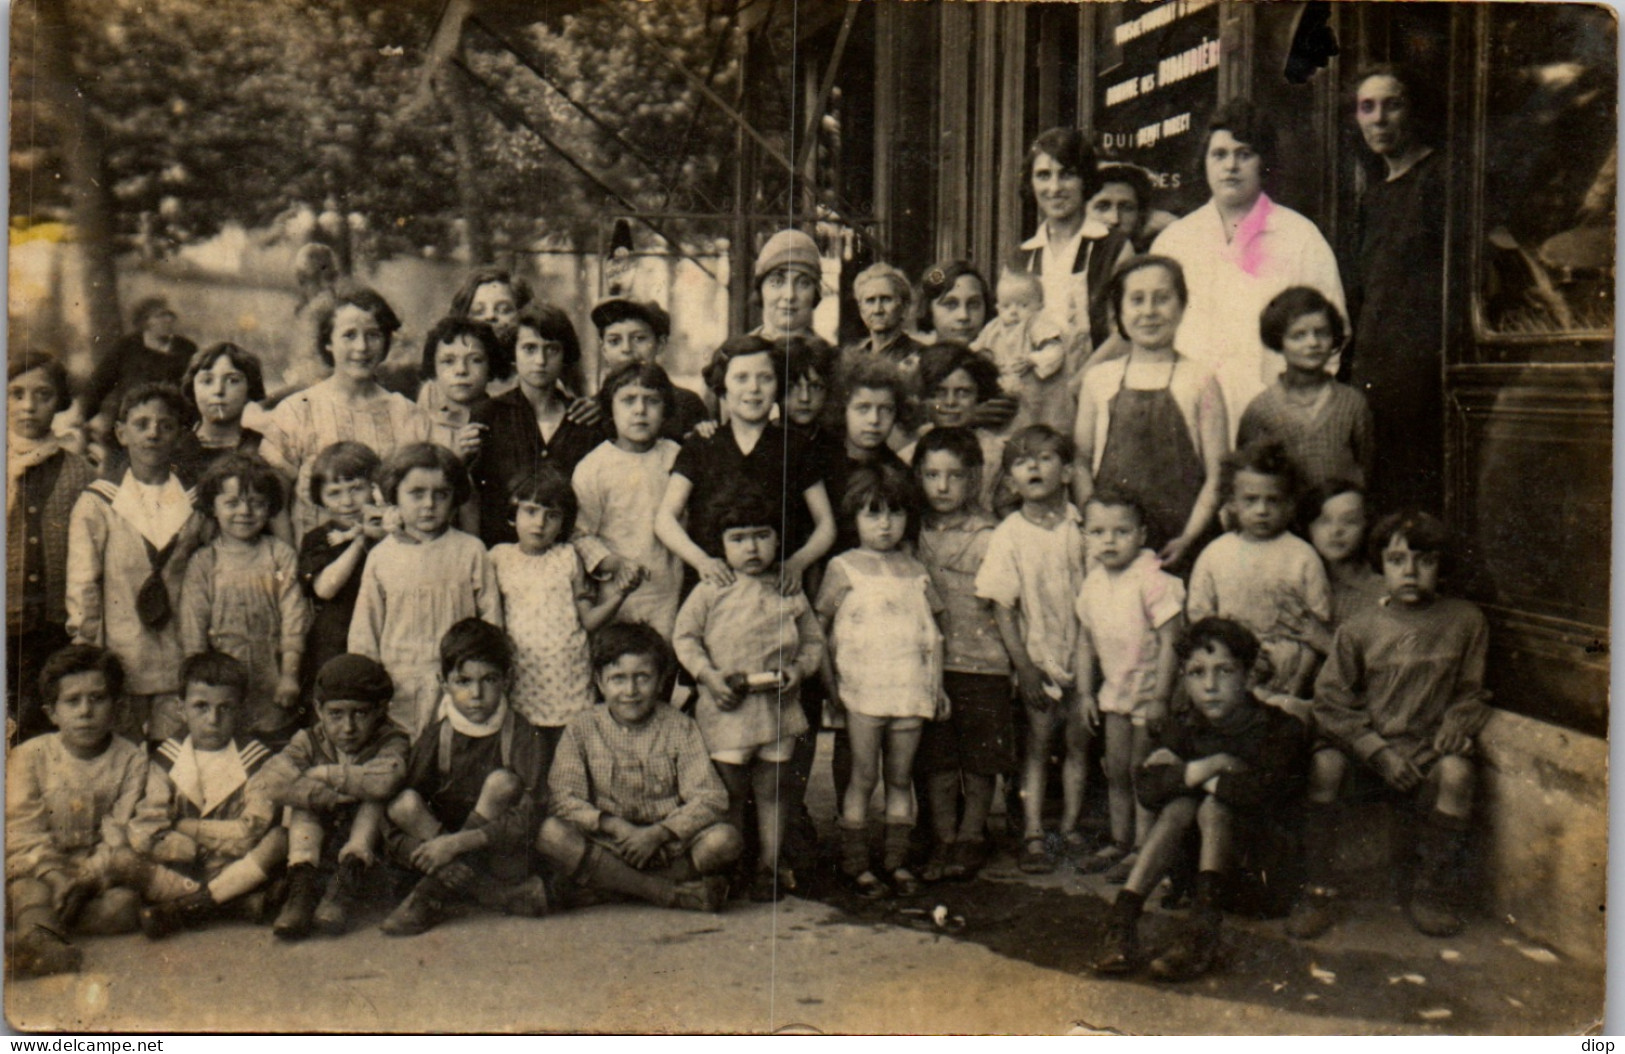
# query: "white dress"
[[552, 671], [886, 644]]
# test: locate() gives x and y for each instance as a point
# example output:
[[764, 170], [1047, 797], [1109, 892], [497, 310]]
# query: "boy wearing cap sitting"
[[637, 331], [335, 779], [636, 806]]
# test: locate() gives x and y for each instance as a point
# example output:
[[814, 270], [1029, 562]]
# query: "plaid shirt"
[[656, 772]]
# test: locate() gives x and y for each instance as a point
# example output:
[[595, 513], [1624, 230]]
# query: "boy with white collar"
[[475, 787], [205, 814]]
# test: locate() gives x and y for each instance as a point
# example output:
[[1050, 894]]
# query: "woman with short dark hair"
[[1238, 251]]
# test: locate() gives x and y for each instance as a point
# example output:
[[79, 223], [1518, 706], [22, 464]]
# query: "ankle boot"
[[41, 950], [160, 920], [332, 916], [422, 909], [1122, 935], [1314, 912], [1196, 952], [895, 859], [1438, 847], [299, 910]]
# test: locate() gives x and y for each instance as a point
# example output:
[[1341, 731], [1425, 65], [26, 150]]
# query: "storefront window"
[[1549, 171]]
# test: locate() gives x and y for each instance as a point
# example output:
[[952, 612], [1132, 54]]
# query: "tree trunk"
[[476, 232], [82, 145]]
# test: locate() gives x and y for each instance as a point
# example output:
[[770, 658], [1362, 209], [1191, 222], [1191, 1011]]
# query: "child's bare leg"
[[1075, 769], [1140, 749], [1034, 775], [1453, 780], [304, 837], [365, 830], [865, 738], [1120, 776], [411, 814], [901, 744], [583, 862], [249, 873], [1326, 770], [1161, 845], [716, 849], [1217, 824], [764, 779], [943, 790], [498, 794]]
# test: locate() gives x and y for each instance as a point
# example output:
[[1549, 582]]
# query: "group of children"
[[467, 666]]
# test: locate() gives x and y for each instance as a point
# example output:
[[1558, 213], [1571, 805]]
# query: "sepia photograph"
[[813, 517]]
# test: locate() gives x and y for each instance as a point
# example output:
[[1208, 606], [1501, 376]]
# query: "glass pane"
[[1549, 171]]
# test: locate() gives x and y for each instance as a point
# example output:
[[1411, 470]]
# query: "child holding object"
[[750, 649]]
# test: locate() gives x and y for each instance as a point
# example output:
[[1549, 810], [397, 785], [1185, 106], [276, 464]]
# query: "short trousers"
[[777, 751], [979, 735], [1362, 783], [674, 859], [883, 724]]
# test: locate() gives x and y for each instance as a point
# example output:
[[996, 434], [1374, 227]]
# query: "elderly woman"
[[1072, 253], [353, 336], [1397, 294], [884, 299], [1238, 251]]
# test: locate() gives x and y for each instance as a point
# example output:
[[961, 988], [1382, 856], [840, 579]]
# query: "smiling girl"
[[1153, 424], [353, 336]]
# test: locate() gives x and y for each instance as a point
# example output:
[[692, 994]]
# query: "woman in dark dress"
[[1397, 296]]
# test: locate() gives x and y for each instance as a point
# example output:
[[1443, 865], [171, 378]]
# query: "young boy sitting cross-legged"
[[69, 799], [475, 786], [335, 778], [206, 813], [636, 806], [1225, 767]]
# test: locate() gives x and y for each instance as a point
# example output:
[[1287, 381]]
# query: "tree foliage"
[[239, 110]]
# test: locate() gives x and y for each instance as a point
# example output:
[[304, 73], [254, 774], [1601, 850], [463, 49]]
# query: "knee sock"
[[1320, 828], [1205, 912], [239, 877], [602, 869], [896, 845], [854, 850]]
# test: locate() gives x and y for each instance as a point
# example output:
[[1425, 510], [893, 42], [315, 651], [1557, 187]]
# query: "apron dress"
[[1149, 455]]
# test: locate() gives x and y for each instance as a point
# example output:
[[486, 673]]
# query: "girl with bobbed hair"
[[354, 333]]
